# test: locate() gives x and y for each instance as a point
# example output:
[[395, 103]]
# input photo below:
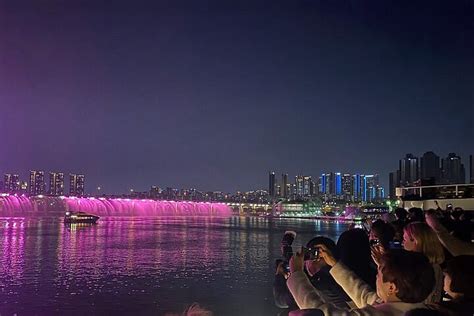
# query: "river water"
[[144, 266]]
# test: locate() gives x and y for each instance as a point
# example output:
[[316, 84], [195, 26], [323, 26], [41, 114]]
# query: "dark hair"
[[416, 214], [329, 243], [354, 252], [457, 213], [411, 272], [384, 232], [467, 216], [462, 276], [401, 213]]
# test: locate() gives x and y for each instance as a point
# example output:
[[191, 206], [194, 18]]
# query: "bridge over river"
[[21, 205]]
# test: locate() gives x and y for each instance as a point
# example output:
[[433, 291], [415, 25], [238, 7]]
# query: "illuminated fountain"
[[19, 205], [16, 204], [103, 206]]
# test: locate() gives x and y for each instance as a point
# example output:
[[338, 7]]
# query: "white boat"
[[80, 217]]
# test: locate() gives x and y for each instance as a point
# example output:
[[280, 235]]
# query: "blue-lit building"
[[327, 184], [364, 189], [380, 193], [323, 183], [371, 183], [358, 186], [338, 184]]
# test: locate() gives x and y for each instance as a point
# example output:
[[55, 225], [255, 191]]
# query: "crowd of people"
[[418, 263]]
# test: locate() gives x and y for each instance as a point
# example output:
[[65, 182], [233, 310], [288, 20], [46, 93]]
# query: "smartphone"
[[311, 253]]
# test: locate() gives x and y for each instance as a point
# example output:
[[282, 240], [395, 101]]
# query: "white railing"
[[400, 190]]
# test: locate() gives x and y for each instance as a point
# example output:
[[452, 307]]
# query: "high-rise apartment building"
[[430, 171], [37, 185], [299, 182], [76, 184], [11, 183], [7, 180], [327, 184], [56, 183], [409, 172], [371, 183], [322, 184], [453, 170], [358, 184], [337, 184], [15, 185], [284, 185], [347, 186], [307, 186], [271, 184]]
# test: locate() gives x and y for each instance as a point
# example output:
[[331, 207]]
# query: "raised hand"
[[377, 252], [297, 261], [326, 255]]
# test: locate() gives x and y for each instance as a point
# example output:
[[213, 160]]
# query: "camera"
[[311, 253]]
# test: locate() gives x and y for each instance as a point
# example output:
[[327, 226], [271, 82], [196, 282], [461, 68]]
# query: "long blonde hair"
[[426, 240]]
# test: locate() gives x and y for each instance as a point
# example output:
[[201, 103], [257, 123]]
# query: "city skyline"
[[420, 171], [169, 92]]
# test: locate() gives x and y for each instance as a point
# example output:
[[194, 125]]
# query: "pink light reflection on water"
[[147, 249], [13, 248], [144, 265]]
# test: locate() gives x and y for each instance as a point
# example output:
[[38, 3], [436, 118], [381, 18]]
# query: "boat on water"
[[80, 217]]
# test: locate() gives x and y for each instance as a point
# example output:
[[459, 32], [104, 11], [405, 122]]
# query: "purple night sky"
[[213, 95]]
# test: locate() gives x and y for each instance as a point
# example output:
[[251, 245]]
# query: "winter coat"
[[364, 297]]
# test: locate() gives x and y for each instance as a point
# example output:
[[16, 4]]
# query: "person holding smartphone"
[[404, 281], [317, 271]]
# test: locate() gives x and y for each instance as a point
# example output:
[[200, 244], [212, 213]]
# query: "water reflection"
[[144, 265], [13, 246]]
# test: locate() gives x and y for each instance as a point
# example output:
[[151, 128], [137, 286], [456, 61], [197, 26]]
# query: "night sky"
[[214, 94]]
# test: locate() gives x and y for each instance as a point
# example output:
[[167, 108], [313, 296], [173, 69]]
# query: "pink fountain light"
[[15, 204], [11, 205]]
